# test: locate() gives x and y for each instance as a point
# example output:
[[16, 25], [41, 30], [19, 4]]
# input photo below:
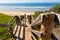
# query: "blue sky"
[[29, 1]]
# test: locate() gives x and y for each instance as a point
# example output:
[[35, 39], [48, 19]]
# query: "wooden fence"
[[10, 26], [45, 33]]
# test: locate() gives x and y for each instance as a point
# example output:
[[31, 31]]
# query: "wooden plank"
[[33, 37], [53, 37], [37, 33]]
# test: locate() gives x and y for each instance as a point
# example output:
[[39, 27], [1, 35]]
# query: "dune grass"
[[4, 19], [58, 12]]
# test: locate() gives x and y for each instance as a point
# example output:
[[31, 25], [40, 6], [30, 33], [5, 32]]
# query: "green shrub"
[[55, 8]]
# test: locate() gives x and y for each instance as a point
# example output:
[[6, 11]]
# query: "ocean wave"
[[23, 8]]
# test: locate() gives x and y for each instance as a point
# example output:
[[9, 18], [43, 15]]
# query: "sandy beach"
[[16, 12]]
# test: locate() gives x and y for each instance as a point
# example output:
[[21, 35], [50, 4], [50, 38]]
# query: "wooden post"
[[47, 26], [11, 30], [29, 19]]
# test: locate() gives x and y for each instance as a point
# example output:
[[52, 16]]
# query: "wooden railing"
[[19, 24], [9, 25], [35, 34], [38, 33]]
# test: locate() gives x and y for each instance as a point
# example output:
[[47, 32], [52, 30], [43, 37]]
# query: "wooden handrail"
[[39, 19]]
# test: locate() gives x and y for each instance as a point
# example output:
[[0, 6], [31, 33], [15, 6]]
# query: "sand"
[[16, 12]]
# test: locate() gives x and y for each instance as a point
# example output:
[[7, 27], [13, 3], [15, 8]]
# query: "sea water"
[[26, 6]]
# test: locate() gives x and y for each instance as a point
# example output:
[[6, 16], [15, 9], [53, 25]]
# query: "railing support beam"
[[47, 26]]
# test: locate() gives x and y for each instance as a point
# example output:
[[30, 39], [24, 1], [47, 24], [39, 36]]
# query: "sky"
[[29, 1]]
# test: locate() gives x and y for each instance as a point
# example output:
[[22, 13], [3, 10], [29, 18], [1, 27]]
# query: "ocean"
[[26, 6]]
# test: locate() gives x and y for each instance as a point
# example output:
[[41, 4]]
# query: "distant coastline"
[[26, 6]]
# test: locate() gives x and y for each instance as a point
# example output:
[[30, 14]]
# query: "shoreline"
[[16, 12]]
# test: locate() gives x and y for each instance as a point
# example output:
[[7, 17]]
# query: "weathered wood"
[[29, 19], [47, 26], [32, 18], [37, 33], [11, 30], [22, 17], [53, 37], [33, 37], [17, 19]]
